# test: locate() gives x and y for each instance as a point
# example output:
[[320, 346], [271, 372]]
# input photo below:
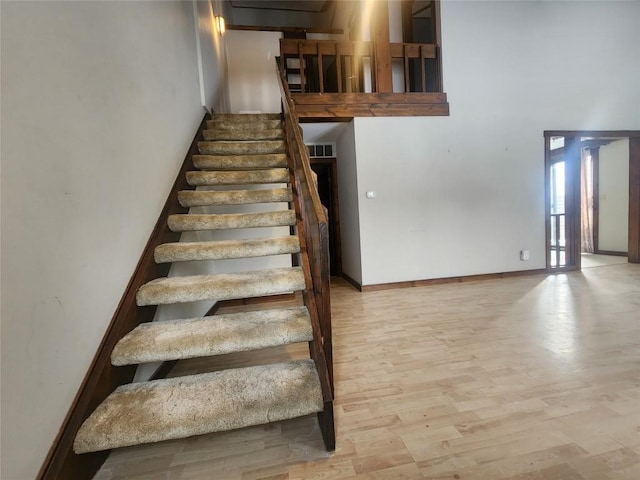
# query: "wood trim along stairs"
[[102, 378]]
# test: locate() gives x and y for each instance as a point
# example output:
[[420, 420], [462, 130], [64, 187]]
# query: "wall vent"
[[321, 150]]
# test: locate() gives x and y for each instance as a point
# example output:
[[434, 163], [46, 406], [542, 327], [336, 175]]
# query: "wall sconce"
[[221, 25]]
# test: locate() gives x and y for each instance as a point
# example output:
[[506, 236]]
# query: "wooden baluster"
[[423, 73], [348, 73], [356, 65], [320, 69], [339, 69], [407, 83], [302, 69], [439, 87]]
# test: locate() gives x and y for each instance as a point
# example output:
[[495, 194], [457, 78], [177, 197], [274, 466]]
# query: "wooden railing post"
[[302, 68], [381, 46]]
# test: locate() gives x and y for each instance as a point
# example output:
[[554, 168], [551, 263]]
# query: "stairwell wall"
[[348, 191], [253, 84], [100, 101], [462, 195]]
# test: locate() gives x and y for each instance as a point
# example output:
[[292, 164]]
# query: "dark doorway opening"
[[326, 170]]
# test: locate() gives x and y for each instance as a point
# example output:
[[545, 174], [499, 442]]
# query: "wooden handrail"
[[313, 231]]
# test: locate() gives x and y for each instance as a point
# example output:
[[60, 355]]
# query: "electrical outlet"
[[371, 194], [524, 255]]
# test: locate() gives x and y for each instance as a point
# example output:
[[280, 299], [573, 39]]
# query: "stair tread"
[[239, 162], [213, 335], [247, 134], [221, 286], [241, 147], [199, 198], [226, 249], [254, 125], [238, 177], [191, 222], [181, 407], [245, 117]]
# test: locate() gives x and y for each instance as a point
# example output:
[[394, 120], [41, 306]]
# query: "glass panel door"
[[562, 174], [558, 240]]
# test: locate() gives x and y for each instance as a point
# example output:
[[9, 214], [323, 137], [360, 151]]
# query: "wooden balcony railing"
[[329, 78], [328, 66]]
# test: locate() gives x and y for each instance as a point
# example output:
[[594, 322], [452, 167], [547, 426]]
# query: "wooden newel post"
[[381, 46]]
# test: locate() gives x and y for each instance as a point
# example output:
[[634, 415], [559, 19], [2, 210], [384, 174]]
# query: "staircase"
[[237, 153]]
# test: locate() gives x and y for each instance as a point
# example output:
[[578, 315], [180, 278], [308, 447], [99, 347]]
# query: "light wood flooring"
[[590, 260], [522, 378]]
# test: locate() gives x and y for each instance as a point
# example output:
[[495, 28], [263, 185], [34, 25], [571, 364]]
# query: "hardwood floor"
[[589, 260], [522, 378]]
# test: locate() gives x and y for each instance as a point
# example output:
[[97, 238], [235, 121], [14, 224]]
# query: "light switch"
[[371, 194]]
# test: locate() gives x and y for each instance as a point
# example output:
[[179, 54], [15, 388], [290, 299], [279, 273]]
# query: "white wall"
[[212, 53], [323, 132], [462, 195], [100, 102], [253, 83], [349, 194], [613, 217]]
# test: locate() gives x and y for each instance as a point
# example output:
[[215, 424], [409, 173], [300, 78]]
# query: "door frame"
[[572, 193]]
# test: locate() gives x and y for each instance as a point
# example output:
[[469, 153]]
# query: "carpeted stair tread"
[[222, 286], [192, 222], [200, 198], [181, 407], [239, 162], [242, 135], [226, 249], [240, 177], [244, 117], [242, 147], [213, 335], [254, 125]]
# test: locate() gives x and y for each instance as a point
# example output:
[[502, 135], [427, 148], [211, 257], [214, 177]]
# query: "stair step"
[[239, 177], [213, 335], [239, 162], [241, 148], [226, 249], [191, 222], [254, 125], [181, 407], [245, 117], [200, 198], [244, 134], [222, 286]]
